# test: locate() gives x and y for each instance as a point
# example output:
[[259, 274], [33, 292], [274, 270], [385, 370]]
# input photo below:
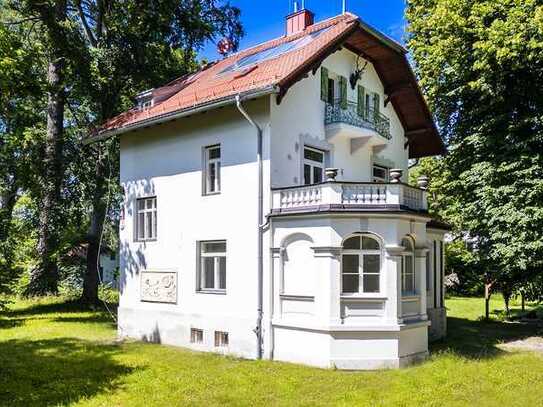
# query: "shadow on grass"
[[57, 307], [56, 371], [479, 339]]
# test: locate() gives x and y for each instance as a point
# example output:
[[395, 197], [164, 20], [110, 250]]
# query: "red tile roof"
[[209, 84], [214, 84]]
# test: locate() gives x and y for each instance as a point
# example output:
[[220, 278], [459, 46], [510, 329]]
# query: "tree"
[[131, 48], [480, 64]]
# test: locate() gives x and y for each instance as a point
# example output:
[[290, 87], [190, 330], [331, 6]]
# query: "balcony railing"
[[349, 196], [366, 118]]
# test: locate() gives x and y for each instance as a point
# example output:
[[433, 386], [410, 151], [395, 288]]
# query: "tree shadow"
[[57, 371], [56, 307], [479, 339]]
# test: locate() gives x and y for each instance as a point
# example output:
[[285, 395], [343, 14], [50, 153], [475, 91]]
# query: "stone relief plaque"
[[159, 286]]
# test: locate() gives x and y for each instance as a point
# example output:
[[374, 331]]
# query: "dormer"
[[144, 100]]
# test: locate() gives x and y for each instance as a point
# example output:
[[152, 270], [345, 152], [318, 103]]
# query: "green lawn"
[[53, 353]]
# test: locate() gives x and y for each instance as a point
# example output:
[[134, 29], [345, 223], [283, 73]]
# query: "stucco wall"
[[166, 162], [299, 119]]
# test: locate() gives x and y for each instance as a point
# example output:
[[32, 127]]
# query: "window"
[[212, 169], [196, 335], [146, 219], [408, 267], [313, 166], [367, 105], [331, 91], [221, 339], [380, 173], [213, 266], [360, 265], [428, 271]]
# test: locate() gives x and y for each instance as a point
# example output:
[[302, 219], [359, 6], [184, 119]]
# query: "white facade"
[[306, 318]]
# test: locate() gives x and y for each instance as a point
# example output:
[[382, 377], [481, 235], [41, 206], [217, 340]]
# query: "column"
[[328, 298], [393, 270], [420, 270]]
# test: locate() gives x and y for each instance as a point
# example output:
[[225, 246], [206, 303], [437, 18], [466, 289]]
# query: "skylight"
[[273, 52]]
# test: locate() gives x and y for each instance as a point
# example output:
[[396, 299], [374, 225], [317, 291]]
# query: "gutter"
[[260, 228], [177, 114]]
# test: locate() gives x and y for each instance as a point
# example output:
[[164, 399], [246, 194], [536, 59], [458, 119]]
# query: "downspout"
[[260, 227]]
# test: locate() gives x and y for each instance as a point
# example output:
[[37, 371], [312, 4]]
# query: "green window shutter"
[[361, 99], [324, 84], [343, 91]]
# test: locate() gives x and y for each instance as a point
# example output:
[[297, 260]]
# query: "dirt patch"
[[533, 343]]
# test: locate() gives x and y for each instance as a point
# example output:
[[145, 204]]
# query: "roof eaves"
[[177, 114]]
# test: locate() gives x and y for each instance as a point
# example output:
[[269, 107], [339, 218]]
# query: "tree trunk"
[[44, 277], [488, 293], [91, 278], [7, 203], [523, 301], [507, 298]]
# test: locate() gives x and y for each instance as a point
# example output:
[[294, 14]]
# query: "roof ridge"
[[321, 24]]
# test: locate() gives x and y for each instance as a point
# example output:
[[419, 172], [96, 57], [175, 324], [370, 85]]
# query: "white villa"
[[267, 212]]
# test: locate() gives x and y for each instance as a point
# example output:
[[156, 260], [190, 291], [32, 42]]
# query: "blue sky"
[[265, 19]]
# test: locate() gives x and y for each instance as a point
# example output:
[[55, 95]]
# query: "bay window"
[[408, 267], [360, 265]]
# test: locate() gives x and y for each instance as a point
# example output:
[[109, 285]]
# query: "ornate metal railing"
[[367, 118]]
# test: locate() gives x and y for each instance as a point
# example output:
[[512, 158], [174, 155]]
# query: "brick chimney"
[[299, 21]]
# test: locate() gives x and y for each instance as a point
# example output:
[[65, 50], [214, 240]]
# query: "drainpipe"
[[260, 224]]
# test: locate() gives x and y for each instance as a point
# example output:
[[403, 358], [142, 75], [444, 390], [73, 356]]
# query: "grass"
[[55, 353]]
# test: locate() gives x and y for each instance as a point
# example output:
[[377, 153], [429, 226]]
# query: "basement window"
[[221, 339], [196, 335]]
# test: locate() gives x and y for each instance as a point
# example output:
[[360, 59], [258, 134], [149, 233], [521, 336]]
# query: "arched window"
[[360, 265], [408, 267]]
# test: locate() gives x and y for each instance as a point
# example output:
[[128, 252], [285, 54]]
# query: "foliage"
[[56, 353], [480, 64], [108, 52]]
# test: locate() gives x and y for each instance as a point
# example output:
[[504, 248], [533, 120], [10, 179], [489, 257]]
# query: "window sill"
[[211, 193], [219, 292], [364, 297], [410, 297]]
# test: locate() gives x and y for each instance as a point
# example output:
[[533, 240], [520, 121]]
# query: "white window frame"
[[210, 187], [221, 339], [361, 272], [148, 236], [409, 252], [313, 164], [196, 335], [216, 267], [380, 179]]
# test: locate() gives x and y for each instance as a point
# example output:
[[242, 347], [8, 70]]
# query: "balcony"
[[349, 196], [367, 119]]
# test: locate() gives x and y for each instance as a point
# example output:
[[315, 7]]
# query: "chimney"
[[299, 20]]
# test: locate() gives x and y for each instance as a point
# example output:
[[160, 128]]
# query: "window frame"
[[200, 283], [361, 272], [196, 335], [145, 211], [206, 173], [222, 339], [379, 179], [313, 164], [409, 252]]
